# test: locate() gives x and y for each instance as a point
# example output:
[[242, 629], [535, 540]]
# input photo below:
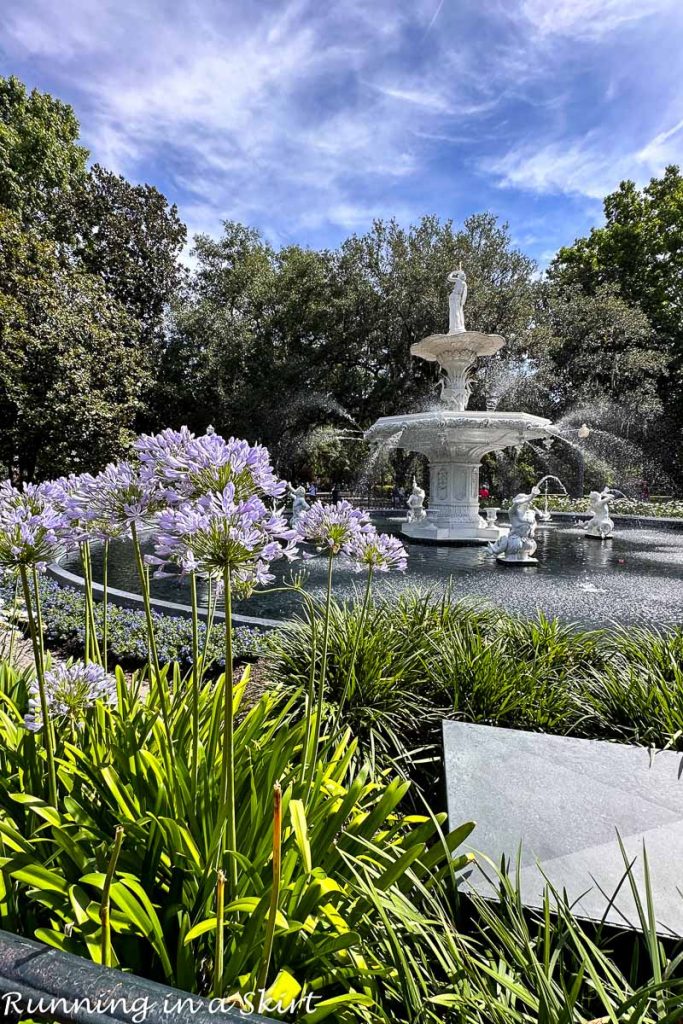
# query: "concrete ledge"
[[667, 522], [566, 802], [126, 599], [78, 990]]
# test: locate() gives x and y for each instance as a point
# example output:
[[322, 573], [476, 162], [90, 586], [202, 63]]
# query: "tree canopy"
[[639, 252], [88, 269], [40, 159], [128, 236], [71, 378]]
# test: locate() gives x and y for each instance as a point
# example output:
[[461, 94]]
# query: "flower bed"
[[621, 506], [64, 620]]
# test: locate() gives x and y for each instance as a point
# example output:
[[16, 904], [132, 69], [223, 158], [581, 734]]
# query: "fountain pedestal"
[[454, 444], [453, 504]]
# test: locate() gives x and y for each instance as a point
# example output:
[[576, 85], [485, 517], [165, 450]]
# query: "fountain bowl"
[[454, 443], [443, 428], [439, 348]]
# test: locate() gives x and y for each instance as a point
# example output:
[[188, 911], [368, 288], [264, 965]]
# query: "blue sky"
[[307, 118]]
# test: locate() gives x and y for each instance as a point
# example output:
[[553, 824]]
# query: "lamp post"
[[583, 433]]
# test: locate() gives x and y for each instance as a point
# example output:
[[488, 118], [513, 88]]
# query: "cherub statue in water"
[[456, 301], [519, 545], [415, 503], [600, 526], [299, 503]]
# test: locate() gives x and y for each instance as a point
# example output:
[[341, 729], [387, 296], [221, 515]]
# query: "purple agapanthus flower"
[[220, 532], [69, 690], [186, 467], [379, 552], [116, 499], [71, 496], [331, 527], [30, 527]]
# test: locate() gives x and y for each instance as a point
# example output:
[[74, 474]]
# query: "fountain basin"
[[635, 579], [455, 442]]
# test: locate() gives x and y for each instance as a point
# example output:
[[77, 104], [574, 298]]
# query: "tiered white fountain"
[[453, 439]]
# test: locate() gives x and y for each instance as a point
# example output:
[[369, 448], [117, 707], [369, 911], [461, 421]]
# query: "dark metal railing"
[[41, 983]]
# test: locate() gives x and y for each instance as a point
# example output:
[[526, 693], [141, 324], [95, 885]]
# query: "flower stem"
[[155, 668], [105, 904], [144, 583], [350, 681], [310, 695], [14, 629], [94, 652], [195, 682], [323, 671], [275, 889], [84, 563], [210, 613], [220, 924], [35, 626], [105, 610], [229, 736]]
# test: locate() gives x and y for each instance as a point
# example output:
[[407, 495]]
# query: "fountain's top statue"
[[456, 351], [456, 301]]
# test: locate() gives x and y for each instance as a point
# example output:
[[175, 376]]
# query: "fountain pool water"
[[637, 577]]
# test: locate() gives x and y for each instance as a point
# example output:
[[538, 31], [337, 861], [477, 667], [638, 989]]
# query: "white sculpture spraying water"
[[415, 503], [299, 503], [518, 546]]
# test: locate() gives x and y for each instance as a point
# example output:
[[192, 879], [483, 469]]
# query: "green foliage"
[[366, 921], [639, 250], [88, 264], [130, 239], [40, 158], [71, 376], [600, 346], [360, 893], [417, 661], [541, 966]]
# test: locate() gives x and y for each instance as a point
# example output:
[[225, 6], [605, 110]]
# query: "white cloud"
[[587, 19], [420, 96], [665, 148], [583, 168], [590, 166], [246, 107]]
